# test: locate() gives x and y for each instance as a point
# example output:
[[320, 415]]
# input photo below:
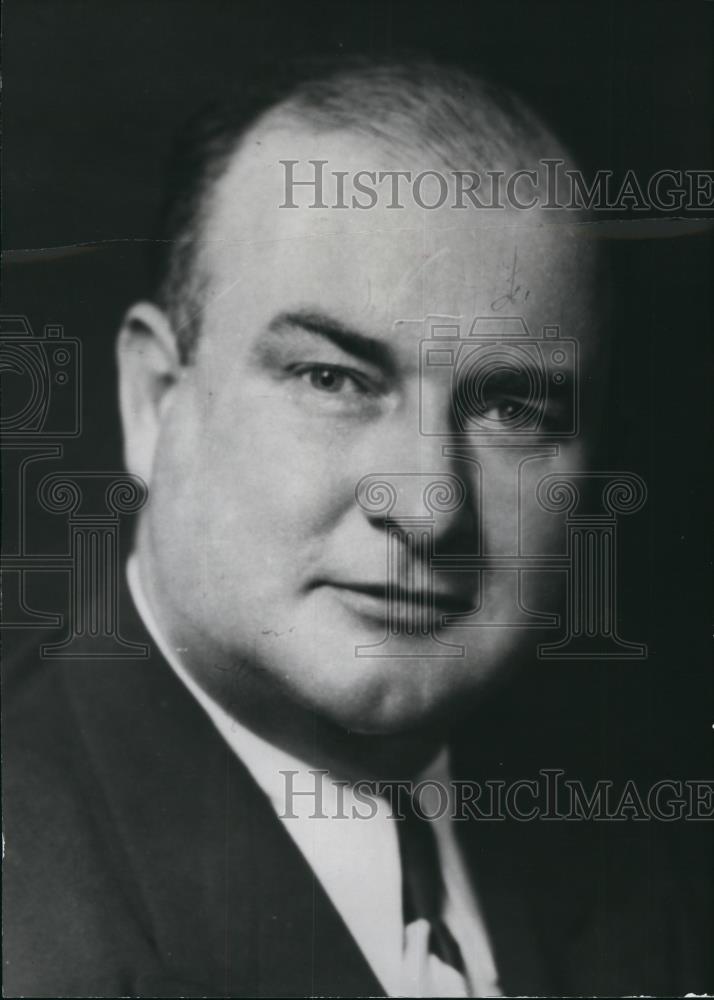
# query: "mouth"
[[395, 605]]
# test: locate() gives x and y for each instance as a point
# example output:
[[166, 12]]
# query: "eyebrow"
[[320, 324]]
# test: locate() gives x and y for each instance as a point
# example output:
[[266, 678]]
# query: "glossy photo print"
[[356, 433]]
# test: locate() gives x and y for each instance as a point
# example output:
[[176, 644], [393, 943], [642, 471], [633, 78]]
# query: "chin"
[[391, 697], [377, 694]]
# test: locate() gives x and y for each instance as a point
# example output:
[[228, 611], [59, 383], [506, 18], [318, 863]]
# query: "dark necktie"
[[423, 887]]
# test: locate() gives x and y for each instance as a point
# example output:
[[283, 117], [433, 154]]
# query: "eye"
[[327, 379], [332, 380], [498, 395], [508, 409], [503, 409], [324, 389]]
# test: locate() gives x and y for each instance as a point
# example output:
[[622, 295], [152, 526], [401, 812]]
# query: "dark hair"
[[410, 101]]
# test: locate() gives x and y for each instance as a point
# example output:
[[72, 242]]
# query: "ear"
[[149, 369]]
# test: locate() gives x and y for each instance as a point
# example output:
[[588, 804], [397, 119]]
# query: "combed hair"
[[412, 103]]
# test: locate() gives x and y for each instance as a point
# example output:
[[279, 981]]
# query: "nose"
[[416, 482]]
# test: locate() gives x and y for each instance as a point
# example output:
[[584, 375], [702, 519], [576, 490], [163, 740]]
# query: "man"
[[164, 832]]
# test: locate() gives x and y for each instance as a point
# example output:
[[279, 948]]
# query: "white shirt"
[[356, 860]]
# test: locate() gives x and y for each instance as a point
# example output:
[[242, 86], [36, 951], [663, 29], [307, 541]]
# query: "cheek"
[[177, 481], [272, 479], [512, 517]]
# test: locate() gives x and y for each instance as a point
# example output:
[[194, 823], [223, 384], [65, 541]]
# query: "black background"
[[93, 93]]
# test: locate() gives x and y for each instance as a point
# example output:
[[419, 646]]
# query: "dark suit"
[[142, 859]]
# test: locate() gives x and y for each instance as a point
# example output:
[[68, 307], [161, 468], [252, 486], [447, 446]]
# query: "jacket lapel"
[[230, 904]]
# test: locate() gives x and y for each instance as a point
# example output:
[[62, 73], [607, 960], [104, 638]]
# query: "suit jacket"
[[142, 860]]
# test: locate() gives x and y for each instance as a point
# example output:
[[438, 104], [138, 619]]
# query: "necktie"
[[423, 887]]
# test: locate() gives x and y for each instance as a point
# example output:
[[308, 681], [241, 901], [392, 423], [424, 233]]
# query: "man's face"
[[307, 378]]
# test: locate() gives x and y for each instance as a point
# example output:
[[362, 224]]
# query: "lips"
[[399, 604]]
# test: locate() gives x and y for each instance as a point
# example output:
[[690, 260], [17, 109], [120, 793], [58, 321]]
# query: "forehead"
[[380, 265]]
